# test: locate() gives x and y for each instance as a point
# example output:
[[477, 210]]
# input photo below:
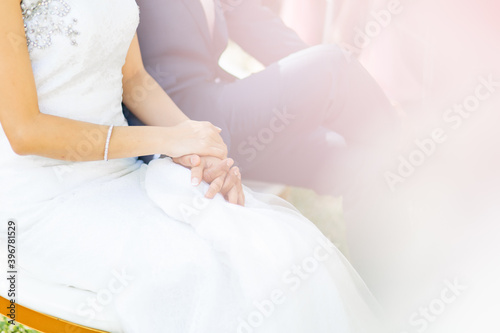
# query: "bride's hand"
[[196, 137], [220, 174]]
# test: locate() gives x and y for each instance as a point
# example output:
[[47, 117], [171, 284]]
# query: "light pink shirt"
[[209, 8]]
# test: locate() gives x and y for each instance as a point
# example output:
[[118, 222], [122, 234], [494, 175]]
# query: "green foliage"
[[5, 327]]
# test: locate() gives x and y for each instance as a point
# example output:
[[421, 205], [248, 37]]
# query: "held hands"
[[202, 149], [219, 173], [196, 137]]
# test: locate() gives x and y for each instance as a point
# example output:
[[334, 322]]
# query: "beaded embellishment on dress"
[[45, 18]]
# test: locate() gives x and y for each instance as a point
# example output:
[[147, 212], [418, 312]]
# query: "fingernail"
[[193, 160], [229, 163], [220, 129], [195, 181]]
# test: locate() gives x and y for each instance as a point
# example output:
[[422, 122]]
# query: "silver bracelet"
[[107, 143]]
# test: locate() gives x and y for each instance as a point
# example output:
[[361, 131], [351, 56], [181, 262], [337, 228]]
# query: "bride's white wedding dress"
[[186, 264]]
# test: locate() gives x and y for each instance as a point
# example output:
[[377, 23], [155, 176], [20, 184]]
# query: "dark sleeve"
[[259, 31]]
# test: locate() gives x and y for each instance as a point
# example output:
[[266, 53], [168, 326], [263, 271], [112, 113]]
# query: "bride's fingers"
[[241, 193], [232, 189], [241, 198], [230, 181], [197, 174], [232, 195], [217, 170], [194, 160], [189, 161], [214, 187]]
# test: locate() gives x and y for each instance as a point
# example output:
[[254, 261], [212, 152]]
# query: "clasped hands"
[[205, 153], [221, 174]]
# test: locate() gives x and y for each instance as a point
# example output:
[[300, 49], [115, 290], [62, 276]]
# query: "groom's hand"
[[222, 176]]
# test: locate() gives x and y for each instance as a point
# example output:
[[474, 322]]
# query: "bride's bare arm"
[[144, 96], [147, 100], [31, 132]]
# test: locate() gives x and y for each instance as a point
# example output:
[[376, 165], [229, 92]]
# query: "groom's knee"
[[326, 60], [310, 81]]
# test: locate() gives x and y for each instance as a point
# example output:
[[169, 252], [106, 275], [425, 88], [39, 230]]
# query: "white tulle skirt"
[[184, 263]]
